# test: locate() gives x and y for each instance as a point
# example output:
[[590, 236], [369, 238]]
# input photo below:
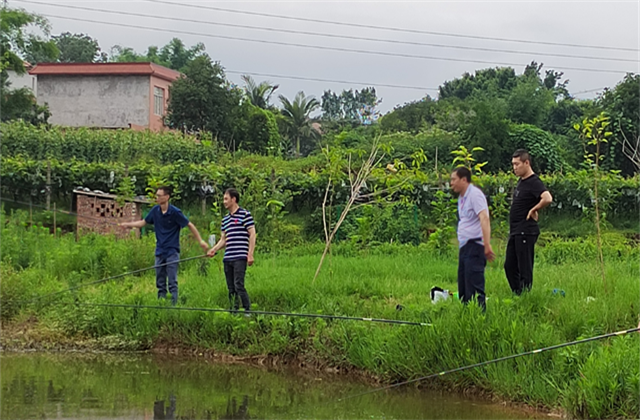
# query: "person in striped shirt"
[[239, 240]]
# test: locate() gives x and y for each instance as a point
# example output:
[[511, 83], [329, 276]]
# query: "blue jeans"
[[471, 264], [169, 271]]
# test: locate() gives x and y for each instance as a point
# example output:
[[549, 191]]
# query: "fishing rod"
[[106, 279], [488, 362], [272, 313]]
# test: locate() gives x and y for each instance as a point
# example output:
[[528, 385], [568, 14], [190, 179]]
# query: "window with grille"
[[158, 101]]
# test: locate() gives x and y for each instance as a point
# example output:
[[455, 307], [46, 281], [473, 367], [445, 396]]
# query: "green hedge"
[[90, 145]]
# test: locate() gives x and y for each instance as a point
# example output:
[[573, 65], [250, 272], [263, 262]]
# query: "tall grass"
[[594, 380]]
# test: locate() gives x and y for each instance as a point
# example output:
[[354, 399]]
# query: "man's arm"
[[136, 224], [196, 234], [252, 244], [485, 224], [217, 247], [545, 200]]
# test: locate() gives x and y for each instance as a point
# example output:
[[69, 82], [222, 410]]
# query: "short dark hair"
[[166, 190], [463, 172], [523, 155], [233, 193]]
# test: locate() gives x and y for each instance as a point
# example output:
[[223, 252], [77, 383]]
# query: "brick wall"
[[102, 214]]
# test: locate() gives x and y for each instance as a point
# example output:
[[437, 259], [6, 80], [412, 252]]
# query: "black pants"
[[234, 271], [471, 264], [518, 264]]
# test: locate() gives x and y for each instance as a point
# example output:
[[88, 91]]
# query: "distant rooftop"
[[104, 69]]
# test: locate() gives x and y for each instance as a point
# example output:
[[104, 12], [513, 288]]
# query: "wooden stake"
[[55, 225], [48, 187]]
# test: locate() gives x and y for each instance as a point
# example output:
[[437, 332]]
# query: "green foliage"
[[464, 157], [125, 190], [444, 214], [21, 105], [99, 146], [488, 128], [204, 101], [499, 80], [298, 124], [174, 55], [529, 102], [411, 117], [78, 48], [622, 105], [16, 40], [258, 94], [262, 134], [540, 144], [357, 106]]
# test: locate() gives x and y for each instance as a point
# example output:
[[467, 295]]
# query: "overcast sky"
[[609, 24]]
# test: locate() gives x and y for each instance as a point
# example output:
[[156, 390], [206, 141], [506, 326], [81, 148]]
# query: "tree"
[[174, 55], [356, 106], [203, 100], [622, 104], [529, 102], [262, 134], [331, 106], [299, 126], [258, 94], [177, 56], [411, 117], [78, 48], [488, 128], [494, 81], [16, 42], [540, 144]]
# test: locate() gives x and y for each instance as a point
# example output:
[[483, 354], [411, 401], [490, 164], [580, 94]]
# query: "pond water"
[[131, 386]]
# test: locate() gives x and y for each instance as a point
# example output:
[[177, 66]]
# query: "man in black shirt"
[[529, 196]]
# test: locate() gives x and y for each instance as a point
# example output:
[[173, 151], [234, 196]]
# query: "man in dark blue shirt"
[[239, 240], [167, 220]]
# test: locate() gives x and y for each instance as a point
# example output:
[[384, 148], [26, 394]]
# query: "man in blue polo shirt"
[[239, 240], [167, 220], [474, 237]]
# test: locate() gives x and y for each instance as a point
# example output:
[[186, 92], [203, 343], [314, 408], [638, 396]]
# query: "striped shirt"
[[469, 207], [236, 228]]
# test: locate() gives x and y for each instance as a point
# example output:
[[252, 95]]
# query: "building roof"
[[104, 69]]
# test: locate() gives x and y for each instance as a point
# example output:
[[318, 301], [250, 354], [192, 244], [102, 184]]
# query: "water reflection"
[[132, 387], [159, 411], [235, 412]]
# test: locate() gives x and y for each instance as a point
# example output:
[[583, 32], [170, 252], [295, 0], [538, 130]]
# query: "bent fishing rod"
[[272, 313], [489, 362], [106, 279]]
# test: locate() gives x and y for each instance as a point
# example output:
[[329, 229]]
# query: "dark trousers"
[[518, 264], [170, 272], [471, 264], [234, 271]]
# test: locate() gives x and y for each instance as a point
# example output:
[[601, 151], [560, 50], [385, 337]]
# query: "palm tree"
[[300, 126], [258, 94]]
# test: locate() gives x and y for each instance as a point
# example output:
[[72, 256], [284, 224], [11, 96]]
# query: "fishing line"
[[141, 270], [488, 362]]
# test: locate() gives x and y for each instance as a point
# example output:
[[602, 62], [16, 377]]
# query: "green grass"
[[594, 380]]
